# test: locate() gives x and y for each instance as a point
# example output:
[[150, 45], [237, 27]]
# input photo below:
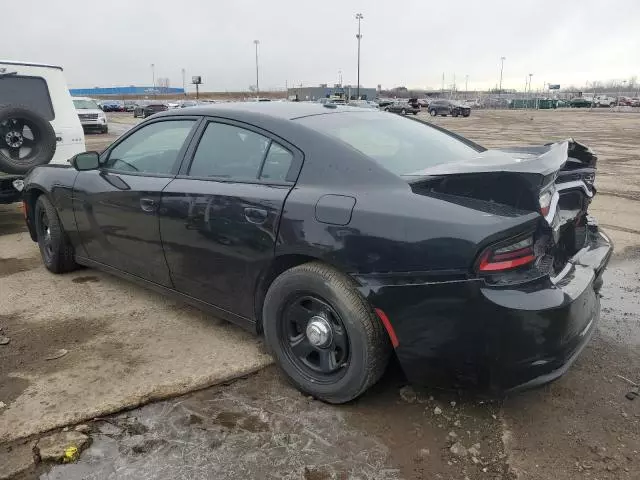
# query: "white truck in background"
[[38, 122]]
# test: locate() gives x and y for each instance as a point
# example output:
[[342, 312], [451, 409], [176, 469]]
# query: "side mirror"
[[86, 161]]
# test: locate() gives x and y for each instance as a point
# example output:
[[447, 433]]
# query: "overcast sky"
[[404, 42]]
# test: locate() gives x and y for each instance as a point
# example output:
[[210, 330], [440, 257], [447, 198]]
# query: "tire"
[[22, 129], [105, 129], [386, 109], [365, 357], [415, 113], [454, 114], [55, 248], [403, 112], [433, 113]]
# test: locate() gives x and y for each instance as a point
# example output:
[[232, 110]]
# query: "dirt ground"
[[580, 426]]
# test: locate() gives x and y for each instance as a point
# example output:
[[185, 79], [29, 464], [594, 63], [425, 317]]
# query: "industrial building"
[[347, 92], [120, 91]]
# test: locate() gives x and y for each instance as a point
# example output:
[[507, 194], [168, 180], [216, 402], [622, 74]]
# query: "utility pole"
[[184, 85], [466, 86], [442, 88], [359, 17], [340, 77], [153, 75], [502, 59], [257, 42]]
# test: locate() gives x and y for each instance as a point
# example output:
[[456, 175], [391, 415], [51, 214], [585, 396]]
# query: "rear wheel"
[[454, 113], [433, 113], [55, 248], [403, 111], [324, 335]]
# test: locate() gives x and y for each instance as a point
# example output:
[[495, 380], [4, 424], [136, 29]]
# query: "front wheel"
[[433, 113], [323, 333], [403, 111], [55, 248], [454, 113]]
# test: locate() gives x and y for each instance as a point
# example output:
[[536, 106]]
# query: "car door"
[[220, 216], [116, 207]]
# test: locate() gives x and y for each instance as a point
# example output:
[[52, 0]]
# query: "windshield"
[[85, 105], [402, 146]]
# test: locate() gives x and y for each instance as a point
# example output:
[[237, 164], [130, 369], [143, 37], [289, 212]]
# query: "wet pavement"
[[581, 426]]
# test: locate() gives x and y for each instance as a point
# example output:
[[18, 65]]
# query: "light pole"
[[340, 77], [466, 86], [153, 75], [359, 17], [257, 42], [502, 59], [184, 85]]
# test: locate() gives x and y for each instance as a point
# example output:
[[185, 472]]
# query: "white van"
[[38, 121]]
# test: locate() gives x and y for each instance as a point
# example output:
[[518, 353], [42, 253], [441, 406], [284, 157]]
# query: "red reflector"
[[25, 209], [486, 266], [389, 327]]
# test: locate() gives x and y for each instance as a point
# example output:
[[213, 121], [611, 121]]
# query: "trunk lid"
[[554, 179]]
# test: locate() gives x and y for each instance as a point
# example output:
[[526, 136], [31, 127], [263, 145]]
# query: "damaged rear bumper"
[[458, 332]]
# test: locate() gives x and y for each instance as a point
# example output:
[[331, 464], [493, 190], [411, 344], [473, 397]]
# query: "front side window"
[[227, 151], [152, 149], [29, 92]]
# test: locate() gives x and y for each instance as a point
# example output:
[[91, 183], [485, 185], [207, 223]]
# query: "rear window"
[[402, 146], [29, 92]]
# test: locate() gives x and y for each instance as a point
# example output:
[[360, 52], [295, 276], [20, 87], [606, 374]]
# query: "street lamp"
[[184, 85], [359, 17], [153, 75], [502, 59], [257, 42], [340, 77], [466, 86]]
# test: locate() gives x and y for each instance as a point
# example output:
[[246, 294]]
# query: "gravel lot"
[[581, 426]]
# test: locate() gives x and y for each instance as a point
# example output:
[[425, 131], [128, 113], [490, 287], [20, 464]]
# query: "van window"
[[29, 92]]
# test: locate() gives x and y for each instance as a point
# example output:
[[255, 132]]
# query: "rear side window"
[[227, 151], [402, 146], [29, 92], [277, 164]]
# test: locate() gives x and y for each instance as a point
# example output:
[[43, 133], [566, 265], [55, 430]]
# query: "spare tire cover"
[[26, 140]]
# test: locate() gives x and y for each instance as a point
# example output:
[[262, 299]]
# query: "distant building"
[[119, 91], [348, 92]]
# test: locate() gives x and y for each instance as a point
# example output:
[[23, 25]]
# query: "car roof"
[[29, 64], [281, 110]]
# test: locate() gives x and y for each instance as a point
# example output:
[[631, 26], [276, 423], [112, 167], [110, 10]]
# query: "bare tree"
[[163, 84]]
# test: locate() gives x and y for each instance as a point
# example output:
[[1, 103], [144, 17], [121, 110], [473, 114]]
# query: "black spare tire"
[[26, 140]]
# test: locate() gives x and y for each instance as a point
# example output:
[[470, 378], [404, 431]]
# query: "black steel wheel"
[[26, 140], [55, 248], [324, 335], [314, 338]]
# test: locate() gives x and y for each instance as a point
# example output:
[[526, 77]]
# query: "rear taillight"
[[500, 258], [545, 200]]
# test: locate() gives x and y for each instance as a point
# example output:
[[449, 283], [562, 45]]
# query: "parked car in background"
[[189, 103], [149, 108], [129, 105], [623, 101], [38, 122], [111, 106], [580, 102], [635, 102], [403, 108], [475, 267], [604, 101], [448, 107], [362, 104], [90, 115], [383, 102]]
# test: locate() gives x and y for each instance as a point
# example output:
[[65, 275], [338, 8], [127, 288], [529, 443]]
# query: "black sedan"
[[403, 108], [343, 235], [146, 109], [448, 107]]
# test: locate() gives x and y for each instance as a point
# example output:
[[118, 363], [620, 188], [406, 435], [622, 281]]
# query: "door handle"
[[255, 215], [148, 205]]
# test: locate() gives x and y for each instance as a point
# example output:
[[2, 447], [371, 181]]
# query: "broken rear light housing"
[[545, 200], [501, 257]]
